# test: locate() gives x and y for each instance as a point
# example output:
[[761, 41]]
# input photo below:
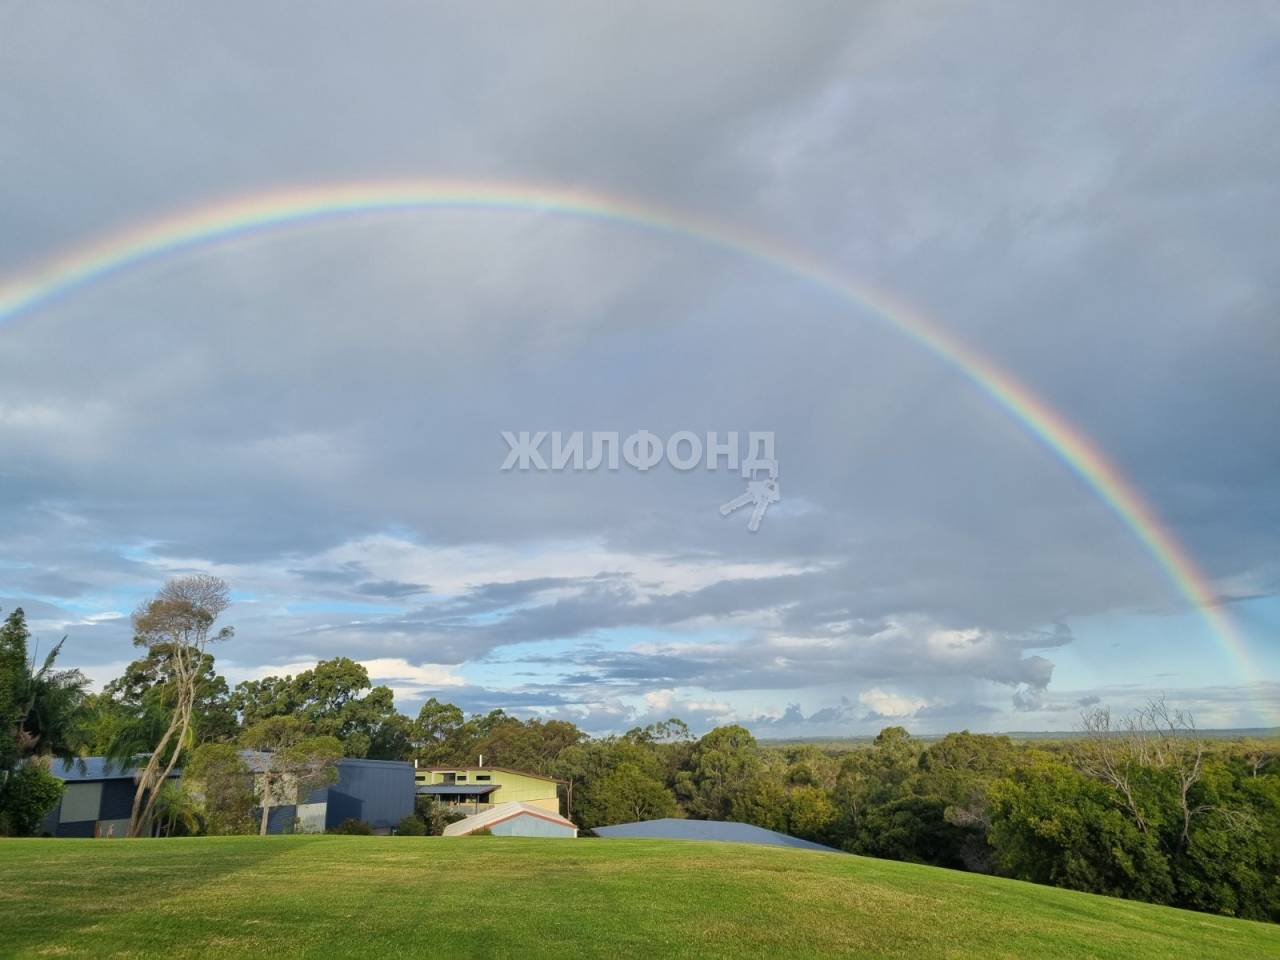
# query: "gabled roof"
[[670, 828], [497, 814]]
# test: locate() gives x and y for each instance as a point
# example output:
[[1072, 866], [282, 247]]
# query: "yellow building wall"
[[511, 786]]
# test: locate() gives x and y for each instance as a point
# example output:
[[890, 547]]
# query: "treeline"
[[1141, 807]]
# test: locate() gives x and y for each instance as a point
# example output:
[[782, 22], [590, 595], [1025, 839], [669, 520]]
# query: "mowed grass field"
[[331, 897]]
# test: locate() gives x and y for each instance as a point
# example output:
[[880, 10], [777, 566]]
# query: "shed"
[[670, 828], [514, 819]]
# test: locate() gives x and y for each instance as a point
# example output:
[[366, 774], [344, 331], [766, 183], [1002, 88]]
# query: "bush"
[[353, 827], [30, 792], [411, 826]]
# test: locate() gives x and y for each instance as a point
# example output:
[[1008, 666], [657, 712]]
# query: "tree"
[[13, 673], [147, 687], [179, 619], [436, 730], [222, 785], [525, 745], [295, 762], [177, 811], [627, 793], [723, 766], [1153, 745], [329, 698], [41, 712], [44, 707], [810, 812], [1050, 824]]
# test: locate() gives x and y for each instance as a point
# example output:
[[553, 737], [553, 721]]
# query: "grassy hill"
[[491, 897]]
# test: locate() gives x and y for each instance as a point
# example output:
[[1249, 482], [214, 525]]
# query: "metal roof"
[[670, 828], [499, 812], [94, 768], [469, 789]]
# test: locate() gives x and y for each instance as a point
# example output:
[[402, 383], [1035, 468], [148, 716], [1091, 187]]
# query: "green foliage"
[[722, 771], [1053, 825], [328, 698], [26, 796], [612, 778], [295, 762], [13, 674], [434, 815], [352, 827], [437, 730], [177, 811], [412, 826], [627, 793], [41, 710], [220, 781]]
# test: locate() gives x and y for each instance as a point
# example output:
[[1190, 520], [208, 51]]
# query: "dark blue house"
[[96, 800], [379, 792], [98, 797]]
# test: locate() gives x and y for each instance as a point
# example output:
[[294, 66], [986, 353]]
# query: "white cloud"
[[890, 704]]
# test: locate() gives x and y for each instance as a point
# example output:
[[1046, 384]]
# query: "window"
[[461, 777], [483, 776]]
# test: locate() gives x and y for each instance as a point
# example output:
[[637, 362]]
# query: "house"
[[98, 798], [670, 828], [514, 819], [479, 788], [379, 792]]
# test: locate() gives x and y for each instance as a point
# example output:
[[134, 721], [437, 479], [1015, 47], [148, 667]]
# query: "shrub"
[[30, 792], [353, 827], [411, 826]]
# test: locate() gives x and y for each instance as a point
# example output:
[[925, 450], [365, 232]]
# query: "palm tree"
[[51, 710], [177, 813], [44, 707]]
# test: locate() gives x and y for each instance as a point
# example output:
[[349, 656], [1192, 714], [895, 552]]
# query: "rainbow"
[[227, 221]]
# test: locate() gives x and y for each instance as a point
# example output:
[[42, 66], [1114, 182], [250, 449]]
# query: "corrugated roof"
[[500, 812], [468, 789], [670, 828]]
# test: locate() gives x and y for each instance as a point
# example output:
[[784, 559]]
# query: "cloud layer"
[[1086, 194]]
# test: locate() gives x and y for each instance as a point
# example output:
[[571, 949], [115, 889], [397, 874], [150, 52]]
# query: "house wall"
[[527, 825], [379, 792], [92, 808], [511, 786]]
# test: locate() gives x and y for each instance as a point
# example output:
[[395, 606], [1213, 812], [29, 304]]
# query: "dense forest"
[[1141, 806]]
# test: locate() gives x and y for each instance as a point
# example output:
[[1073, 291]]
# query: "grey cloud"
[[1103, 232]]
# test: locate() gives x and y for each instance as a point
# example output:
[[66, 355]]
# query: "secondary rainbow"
[[226, 221]]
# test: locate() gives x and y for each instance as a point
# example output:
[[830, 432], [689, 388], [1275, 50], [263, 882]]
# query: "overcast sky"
[[1087, 193]]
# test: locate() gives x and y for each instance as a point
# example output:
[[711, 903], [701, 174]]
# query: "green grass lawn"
[[444, 898]]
